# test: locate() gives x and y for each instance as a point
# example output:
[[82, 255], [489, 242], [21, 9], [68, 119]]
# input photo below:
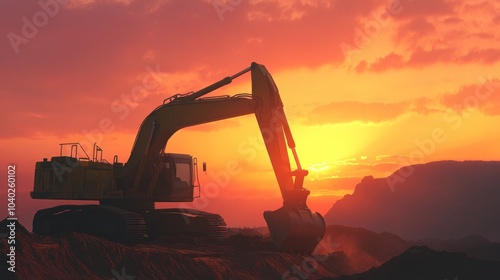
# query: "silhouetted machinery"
[[127, 192]]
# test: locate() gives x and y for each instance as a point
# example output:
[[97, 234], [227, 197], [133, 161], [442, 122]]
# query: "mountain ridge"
[[443, 199]]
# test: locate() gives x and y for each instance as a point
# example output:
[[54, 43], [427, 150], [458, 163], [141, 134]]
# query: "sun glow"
[[319, 167]]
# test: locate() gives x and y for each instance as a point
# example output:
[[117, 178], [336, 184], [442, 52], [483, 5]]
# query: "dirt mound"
[[82, 256], [249, 243], [343, 251], [260, 231]]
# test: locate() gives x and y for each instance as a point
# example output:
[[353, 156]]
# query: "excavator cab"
[[175, 178]]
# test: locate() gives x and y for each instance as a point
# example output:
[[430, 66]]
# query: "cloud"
[[496, 20], [414, 30], [282, 9], [485, 56], [91, 53], [483, 96], [357, 167], [71, 69], [349, 111], [426, 8], [442, 32], [453, 21], [389, 61], [374, 112], [421, 58]]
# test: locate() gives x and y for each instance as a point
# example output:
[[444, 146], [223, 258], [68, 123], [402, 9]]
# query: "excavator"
[[127, 192]]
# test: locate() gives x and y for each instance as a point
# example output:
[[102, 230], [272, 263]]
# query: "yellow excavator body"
[[127, 191]]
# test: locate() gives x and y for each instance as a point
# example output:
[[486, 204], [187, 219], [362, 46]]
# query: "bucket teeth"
[[295, 230]]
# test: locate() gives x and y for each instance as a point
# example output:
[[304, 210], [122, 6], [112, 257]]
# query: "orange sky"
[[368, 86]]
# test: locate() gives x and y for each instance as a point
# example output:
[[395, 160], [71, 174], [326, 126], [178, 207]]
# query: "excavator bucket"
[[295, 230]]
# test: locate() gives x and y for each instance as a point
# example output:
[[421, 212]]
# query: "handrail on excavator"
[[74, 145]]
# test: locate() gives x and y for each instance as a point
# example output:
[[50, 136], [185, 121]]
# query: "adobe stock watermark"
[[223, 6], [310, 264], [31, 26], [121, 107], [427, 146], [12, 218], [373, 27], [122, 275]]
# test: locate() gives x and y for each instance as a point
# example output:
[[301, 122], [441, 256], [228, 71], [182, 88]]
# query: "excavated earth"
[[82, 256], [344, 253]]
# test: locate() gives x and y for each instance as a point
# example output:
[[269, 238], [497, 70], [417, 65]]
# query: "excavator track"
[[128, 227], [110, 222], [135, 226], [186, 222]]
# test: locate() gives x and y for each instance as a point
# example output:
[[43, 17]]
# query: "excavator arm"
[[293, 226]]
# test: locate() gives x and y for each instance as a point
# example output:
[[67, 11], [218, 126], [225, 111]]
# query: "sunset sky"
[[368, 86]]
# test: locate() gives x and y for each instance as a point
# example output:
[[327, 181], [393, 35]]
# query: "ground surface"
[[82, 256], [247, 254]]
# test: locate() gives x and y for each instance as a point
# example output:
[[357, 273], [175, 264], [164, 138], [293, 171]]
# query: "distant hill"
[[365, 249], [420, 262], [446, 199], [474, 246]]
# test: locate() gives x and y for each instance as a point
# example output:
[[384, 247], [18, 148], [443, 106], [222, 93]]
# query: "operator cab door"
[[175, 181]]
